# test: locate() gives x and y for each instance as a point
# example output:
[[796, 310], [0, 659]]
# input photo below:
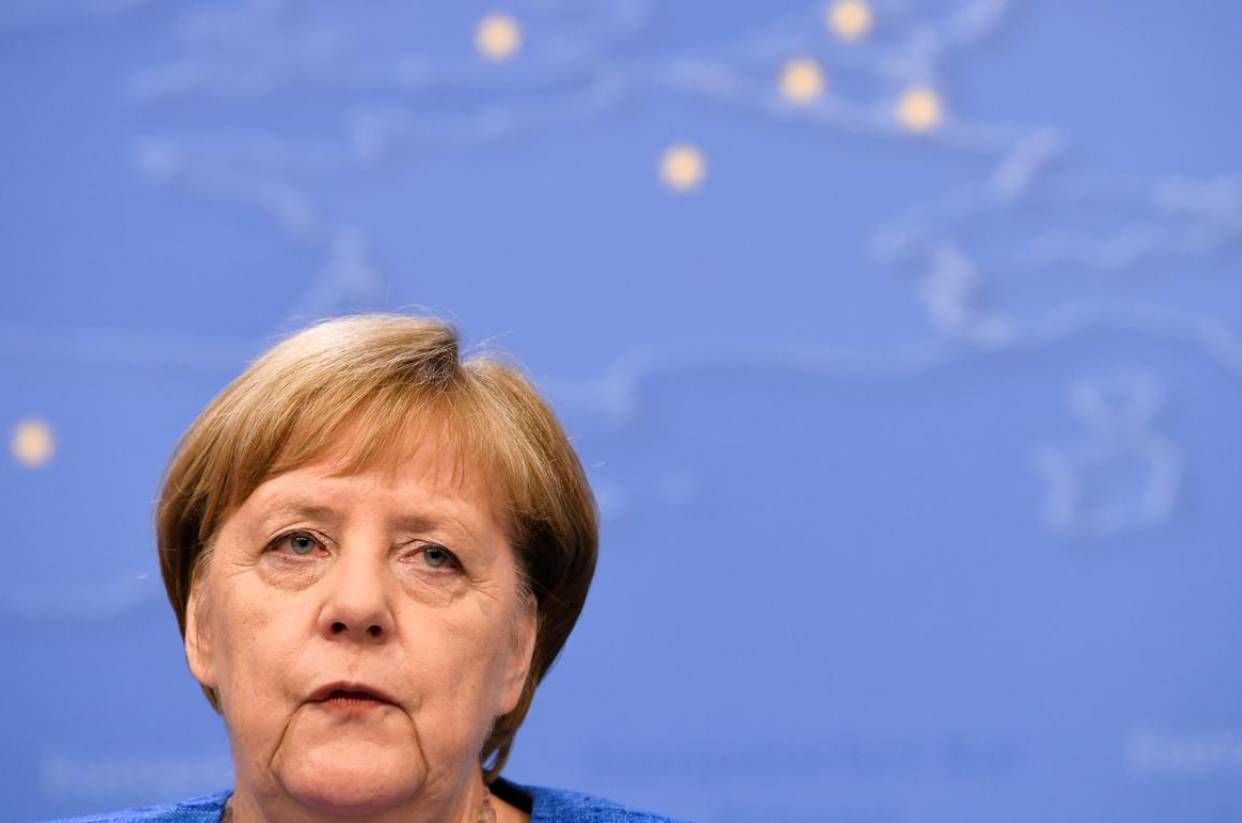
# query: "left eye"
[[438, 557]]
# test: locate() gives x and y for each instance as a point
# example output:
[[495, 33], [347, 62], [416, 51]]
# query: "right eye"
[[300, 543]]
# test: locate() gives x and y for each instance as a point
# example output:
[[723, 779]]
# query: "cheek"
[[458, 661], [262, 636]]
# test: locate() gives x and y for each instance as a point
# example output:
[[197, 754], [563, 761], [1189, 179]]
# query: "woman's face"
[[403, 586]]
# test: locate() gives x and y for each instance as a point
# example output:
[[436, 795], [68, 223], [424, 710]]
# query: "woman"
[[375, 551]]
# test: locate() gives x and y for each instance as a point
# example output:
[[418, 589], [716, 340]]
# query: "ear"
[[525, 632], [198, 646]]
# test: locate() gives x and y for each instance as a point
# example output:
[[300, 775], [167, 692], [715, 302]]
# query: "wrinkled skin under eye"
[[304, 544]]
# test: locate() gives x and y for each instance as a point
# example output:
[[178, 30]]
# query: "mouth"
[[350, 695]]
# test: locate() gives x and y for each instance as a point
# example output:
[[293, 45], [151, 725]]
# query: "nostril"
[[374, 630]]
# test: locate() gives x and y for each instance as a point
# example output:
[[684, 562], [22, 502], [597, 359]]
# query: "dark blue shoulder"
[[205, 809], [549, 805]]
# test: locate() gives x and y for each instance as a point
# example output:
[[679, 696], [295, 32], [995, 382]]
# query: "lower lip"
[[352, 705]]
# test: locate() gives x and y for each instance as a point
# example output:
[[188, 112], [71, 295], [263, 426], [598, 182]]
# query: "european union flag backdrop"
[[902, 342]]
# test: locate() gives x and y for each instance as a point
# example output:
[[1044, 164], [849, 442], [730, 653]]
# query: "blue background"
[[917, 453]]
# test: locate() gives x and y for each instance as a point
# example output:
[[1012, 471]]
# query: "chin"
[[351, 779]]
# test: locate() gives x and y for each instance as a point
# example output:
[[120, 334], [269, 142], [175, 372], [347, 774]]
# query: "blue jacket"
[[544, 805]]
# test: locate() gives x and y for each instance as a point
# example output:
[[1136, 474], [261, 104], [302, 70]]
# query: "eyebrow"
[[412, 521], [299, 508]]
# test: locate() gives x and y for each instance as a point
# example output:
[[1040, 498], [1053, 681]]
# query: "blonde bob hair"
[[397, 377]]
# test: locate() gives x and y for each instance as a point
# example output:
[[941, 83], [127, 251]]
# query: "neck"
[[473, 803]]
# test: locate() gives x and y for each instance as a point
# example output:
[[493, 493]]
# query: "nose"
[[356, 605]]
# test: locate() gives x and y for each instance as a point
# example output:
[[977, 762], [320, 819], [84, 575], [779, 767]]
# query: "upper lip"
[[323, 692]]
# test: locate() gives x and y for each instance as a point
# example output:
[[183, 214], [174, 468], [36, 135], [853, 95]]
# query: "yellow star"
[[498, 37], [919, 109], [849, 19], [802, 81], [32, 443], [683, 167]]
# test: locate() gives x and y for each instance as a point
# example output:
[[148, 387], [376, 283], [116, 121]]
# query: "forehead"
[[417, 479]]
